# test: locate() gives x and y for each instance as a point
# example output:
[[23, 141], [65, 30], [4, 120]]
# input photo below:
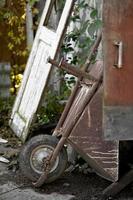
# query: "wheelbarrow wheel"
[[33, 154]]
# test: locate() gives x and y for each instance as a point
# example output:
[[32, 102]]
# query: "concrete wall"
[[5, 80]]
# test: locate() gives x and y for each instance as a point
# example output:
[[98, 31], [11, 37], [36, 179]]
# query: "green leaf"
[[83, 4], [95, 26], [94, 14], [84, 26], [32, 2]]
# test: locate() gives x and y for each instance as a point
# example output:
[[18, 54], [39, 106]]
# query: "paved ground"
[[12, 190], [77, 186]]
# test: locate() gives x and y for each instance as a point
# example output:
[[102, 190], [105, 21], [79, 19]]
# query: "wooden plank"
[[47, 35], [118, 92], [47, 43]]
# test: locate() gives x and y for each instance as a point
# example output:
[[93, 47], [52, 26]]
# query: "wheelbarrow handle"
[[71, 69]]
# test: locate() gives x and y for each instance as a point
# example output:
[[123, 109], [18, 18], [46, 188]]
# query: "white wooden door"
[[37, 71]]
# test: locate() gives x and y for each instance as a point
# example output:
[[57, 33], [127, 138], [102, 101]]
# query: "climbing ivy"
[[78, 41], [85, 24]]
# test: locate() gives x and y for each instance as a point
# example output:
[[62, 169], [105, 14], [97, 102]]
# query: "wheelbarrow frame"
[[92, 80]]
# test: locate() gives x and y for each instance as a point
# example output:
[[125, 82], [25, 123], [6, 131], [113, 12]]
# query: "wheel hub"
[[38, 157]]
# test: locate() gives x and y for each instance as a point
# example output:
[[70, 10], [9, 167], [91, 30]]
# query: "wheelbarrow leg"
[[116, 187]]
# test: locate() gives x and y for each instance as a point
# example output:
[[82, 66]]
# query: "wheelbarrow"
[[44, 157]]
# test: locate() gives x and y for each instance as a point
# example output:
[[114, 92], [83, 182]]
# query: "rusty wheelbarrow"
[[43, 158]]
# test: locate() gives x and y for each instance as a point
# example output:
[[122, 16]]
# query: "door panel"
[[47, 43], [118, 79]]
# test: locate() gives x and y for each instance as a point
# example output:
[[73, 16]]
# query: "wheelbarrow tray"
[[86, 133]]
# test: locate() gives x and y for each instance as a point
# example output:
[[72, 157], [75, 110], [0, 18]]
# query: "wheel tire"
[[32, 154]]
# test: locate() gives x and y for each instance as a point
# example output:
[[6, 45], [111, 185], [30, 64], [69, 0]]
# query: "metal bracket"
[[119, 63]]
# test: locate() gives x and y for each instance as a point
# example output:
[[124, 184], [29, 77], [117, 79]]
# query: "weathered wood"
[[118, 82], [47, 43]]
